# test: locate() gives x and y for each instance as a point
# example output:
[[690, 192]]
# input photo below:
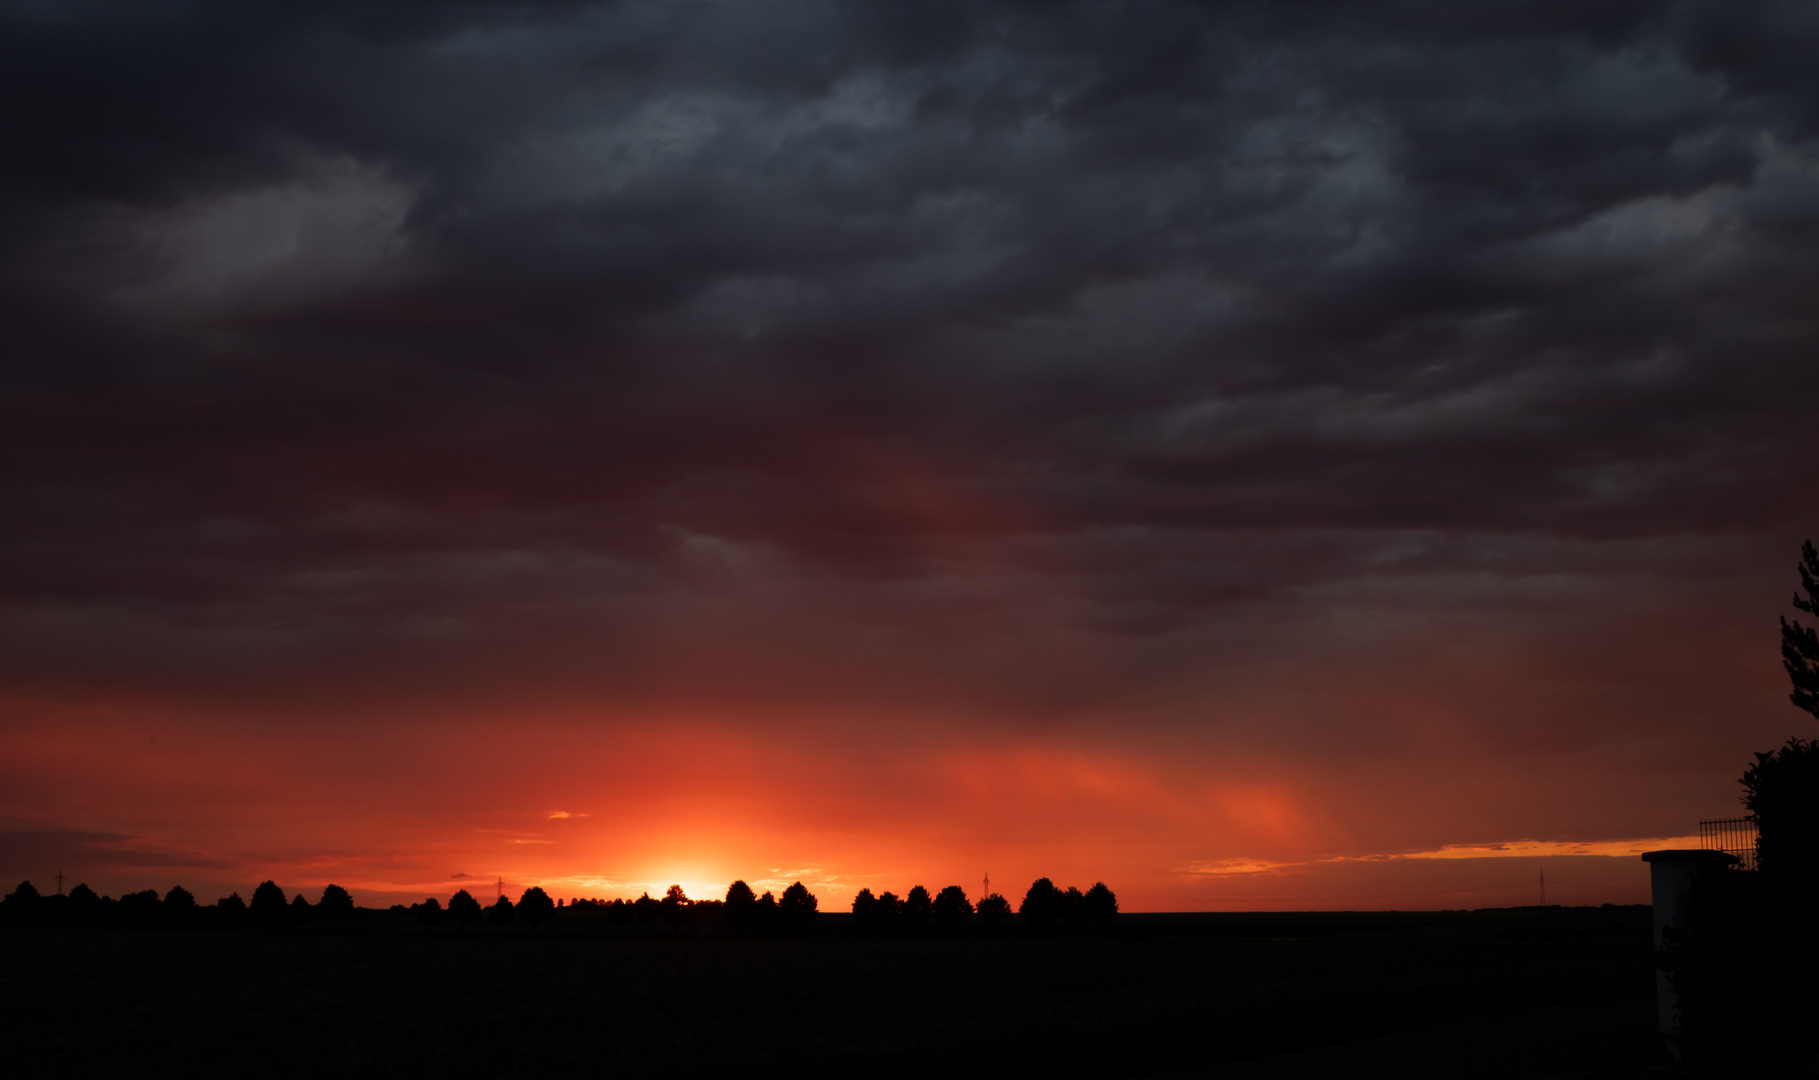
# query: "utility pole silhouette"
[[1544, 888], [499, 888], [59, 883], [988, 885]]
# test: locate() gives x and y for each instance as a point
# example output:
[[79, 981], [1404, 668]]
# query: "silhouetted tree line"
[[534, 906], [269, 907], [178, 907], [1042, 904], [742, 907]]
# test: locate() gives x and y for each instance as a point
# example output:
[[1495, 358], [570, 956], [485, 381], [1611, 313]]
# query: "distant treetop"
[[336, 902], [268, 901], [951, 905], [797, 903], [535, 906], [463, 908]]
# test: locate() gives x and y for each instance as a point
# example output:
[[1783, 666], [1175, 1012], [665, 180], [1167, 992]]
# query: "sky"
[[1326, 455]]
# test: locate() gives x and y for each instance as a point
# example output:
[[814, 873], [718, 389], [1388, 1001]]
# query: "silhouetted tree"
[[1042, 903], [646, 907], [22, 900], [619, 911], [83, 903], [1100, 905], [916, 905], [429, 913], [994, 908], [865, 906], [888, 909], [1782, 792], [741, 904], [535, 906], [501, 912], [139, 907], [767, 909], [1068, 904], [179, 902], [797, 904], [1800, 644], [230, 908], [1781, 789], [300, 909], [951, 905], [336, 903], [676, 906], [463, 908], [268, 901]]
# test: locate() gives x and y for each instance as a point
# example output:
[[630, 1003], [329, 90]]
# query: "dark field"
[[1199, 994]]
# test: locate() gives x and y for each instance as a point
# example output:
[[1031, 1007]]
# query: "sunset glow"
[[1246, 460]]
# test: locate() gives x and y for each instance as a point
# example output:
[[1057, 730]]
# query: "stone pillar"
[[1671, 876]]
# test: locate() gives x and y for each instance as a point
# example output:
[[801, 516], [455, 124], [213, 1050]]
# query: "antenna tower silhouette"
[[499, 887], [988, 885], [59, 883], [1544, 888]]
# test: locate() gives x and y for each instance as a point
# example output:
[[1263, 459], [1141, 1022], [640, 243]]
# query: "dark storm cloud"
[[386, 316]]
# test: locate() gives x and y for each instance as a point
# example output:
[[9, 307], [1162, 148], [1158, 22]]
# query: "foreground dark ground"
[[1521, 992]]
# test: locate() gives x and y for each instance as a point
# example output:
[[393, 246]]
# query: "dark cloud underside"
[[421, 325]]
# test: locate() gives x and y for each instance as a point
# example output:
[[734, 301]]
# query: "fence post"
[[1671, 877]]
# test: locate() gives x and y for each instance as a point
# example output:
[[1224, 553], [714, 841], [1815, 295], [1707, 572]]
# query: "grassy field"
[[1149, 993]]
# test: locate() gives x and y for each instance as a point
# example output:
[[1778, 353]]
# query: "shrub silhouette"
[[23, 902], [1100, 904], [994, 908], [1042, 903], [336, 903], [741, 904], [179, 901], [300, 909], [535, 906], [916, 906], [268, 901], [83, 903], [675, 905], [797, 904], [429, 913], [231, 908], [139, 907], [501, 912], [463, 908], [951, 905], [1781, 791]]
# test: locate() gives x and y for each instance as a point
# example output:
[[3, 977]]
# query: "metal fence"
[[1733, 836]]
